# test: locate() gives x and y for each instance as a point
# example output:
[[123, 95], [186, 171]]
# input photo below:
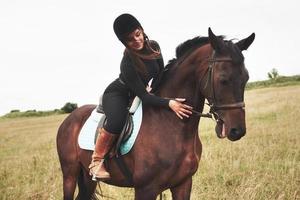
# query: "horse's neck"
[[181, 83], [185, 80]]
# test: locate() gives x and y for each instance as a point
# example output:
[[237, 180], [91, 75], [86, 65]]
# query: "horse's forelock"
[[234, 52]]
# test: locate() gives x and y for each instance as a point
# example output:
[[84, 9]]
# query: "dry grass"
[[265, 164]]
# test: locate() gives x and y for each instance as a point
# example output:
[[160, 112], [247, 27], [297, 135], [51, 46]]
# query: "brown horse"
[[167, 150]]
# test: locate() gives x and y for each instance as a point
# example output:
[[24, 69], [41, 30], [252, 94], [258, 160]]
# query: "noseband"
[[209, 85]]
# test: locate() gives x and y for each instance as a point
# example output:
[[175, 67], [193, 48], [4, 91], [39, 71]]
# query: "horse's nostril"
[[236, 134], [234, 131]]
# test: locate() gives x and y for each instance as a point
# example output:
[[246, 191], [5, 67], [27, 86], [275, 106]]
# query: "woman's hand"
[[180, 109]]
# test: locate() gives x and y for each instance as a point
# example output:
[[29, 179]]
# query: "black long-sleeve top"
[[134, 84]]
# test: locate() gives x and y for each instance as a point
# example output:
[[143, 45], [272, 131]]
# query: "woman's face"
[[135, 40]]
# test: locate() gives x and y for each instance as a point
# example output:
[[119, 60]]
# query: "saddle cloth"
[[86, 136]]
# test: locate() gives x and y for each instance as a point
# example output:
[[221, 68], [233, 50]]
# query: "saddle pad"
[[86, 136]]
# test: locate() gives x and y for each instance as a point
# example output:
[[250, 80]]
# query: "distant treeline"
[[67, 108], [274, 82]]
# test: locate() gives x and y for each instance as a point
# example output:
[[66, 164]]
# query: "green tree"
[[69, 107], [273, 74], [14, 111]]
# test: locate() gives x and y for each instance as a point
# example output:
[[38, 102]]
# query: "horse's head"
[[225, 84]]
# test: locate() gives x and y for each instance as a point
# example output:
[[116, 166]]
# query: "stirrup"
[[95, 178], [95, 172]]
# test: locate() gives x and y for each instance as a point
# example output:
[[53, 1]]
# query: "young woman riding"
[[142, 61]]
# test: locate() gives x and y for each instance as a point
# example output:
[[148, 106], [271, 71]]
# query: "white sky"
[[58, 51]]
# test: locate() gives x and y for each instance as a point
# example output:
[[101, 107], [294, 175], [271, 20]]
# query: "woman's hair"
[[150, 52]]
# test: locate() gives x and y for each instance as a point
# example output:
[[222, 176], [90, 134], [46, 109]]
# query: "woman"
[[141, 62]]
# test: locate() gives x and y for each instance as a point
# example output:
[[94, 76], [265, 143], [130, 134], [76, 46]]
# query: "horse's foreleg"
[[182, 191]]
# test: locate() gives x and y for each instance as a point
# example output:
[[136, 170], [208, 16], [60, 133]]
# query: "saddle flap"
[[86, 138]]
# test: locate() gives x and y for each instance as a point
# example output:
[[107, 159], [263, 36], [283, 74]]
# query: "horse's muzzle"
[[236, 134]]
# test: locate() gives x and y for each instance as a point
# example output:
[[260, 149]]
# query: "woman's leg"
[[115, 108]]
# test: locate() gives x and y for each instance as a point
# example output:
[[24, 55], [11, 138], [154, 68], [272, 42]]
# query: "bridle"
[[211, 98]]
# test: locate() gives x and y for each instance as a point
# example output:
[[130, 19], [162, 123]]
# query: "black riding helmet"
[[125, 24]]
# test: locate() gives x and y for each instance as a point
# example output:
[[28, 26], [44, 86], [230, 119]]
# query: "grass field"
[[265, 164]]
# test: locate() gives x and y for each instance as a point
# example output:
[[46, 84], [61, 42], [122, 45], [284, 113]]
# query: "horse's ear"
[[215, 41], [245, 43]]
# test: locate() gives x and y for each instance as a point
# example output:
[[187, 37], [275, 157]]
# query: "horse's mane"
[[198, 41], [188, 46], [185, 48]]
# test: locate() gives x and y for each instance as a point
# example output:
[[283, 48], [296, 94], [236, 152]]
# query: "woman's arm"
[[134, 82]]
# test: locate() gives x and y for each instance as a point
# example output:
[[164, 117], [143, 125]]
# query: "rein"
[[212, 102]]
